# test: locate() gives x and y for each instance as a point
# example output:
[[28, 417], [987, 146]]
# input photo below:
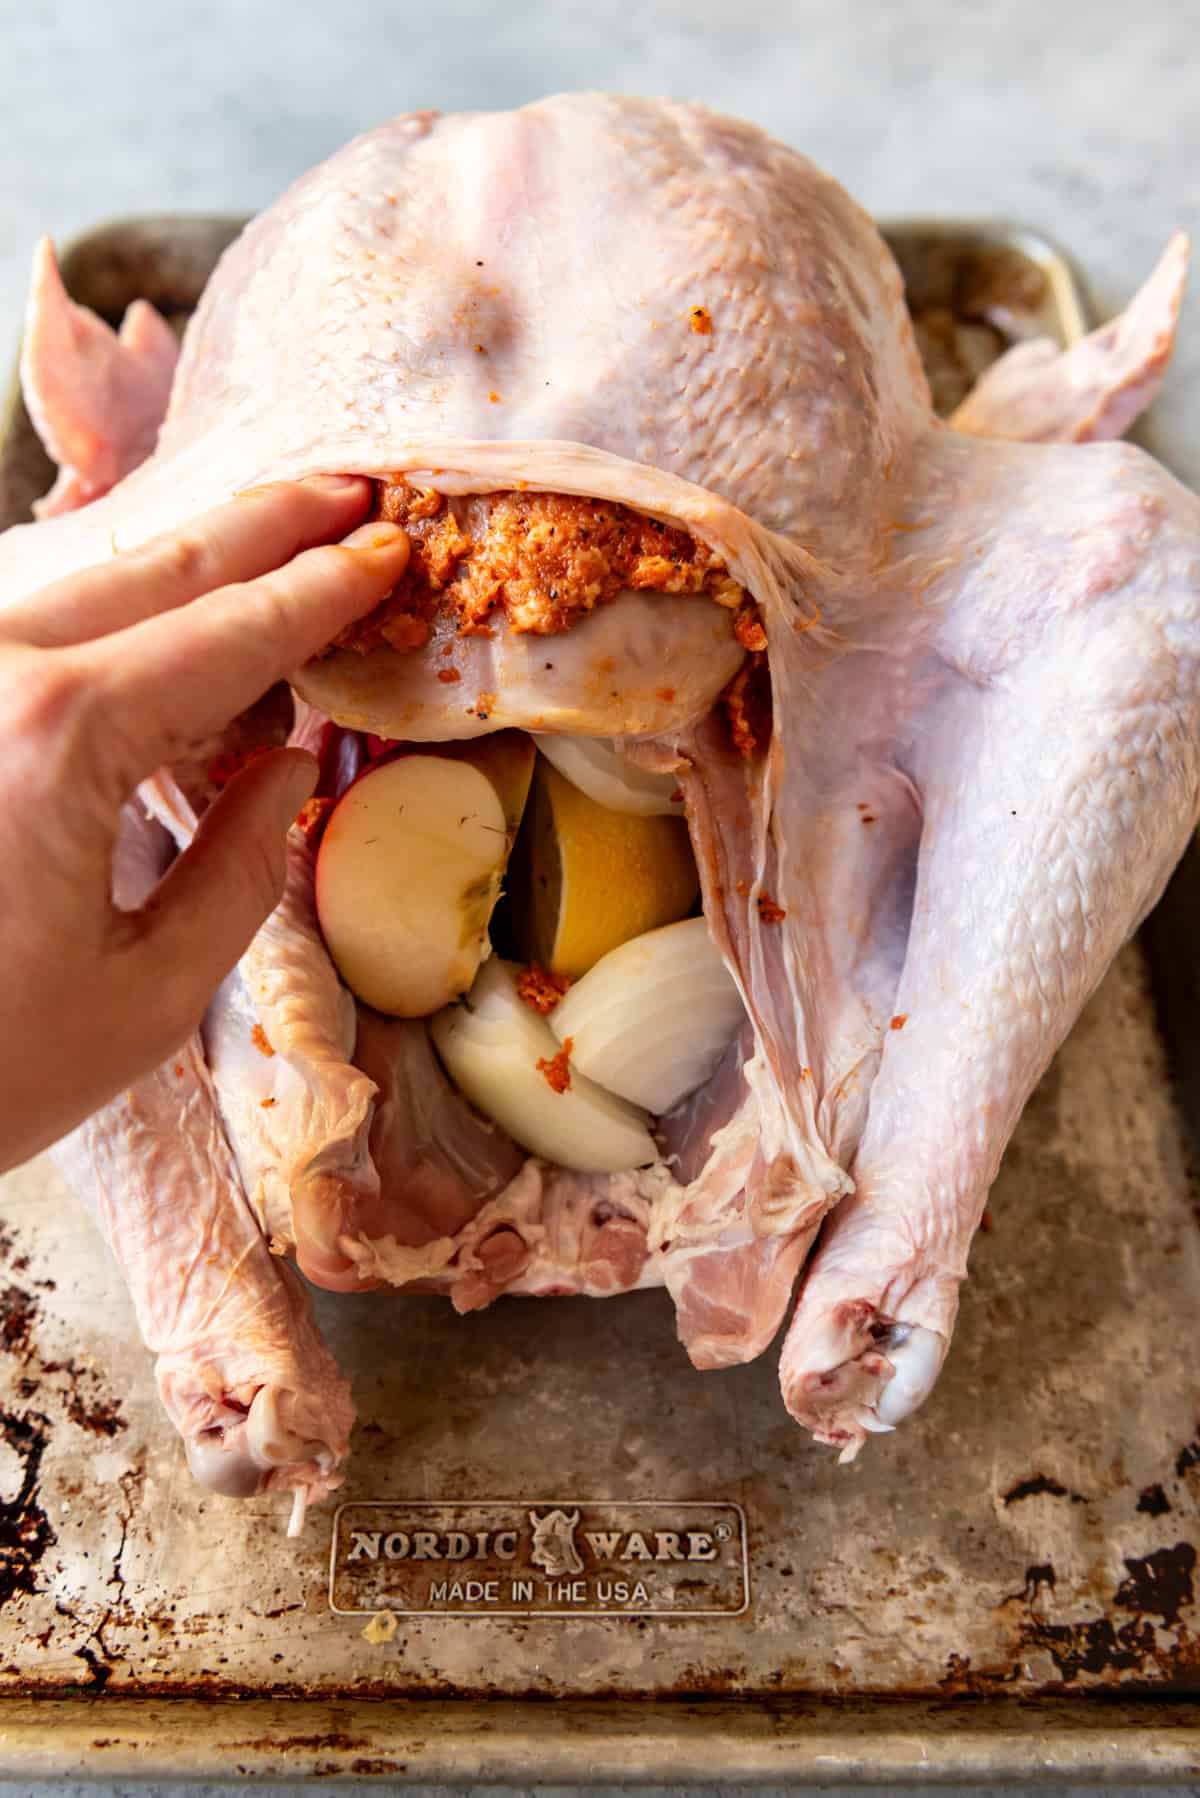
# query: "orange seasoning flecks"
[[312, 819], [404, 632], [768, 911], [258, 1037], [747, 705], [899, 1021], [448, 676], [556, 1068], [748, 627], [266, 1104], [541, 990], [700, 319]]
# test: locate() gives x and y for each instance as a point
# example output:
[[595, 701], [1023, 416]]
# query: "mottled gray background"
[[1082, 119], [1081, 116]]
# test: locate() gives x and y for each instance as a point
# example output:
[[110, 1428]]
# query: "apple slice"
[[510, 1064], [652, 1019], [410, 867], [597, 767], [506, 757]]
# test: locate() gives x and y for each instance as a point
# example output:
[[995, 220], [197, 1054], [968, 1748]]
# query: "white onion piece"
[[491, 1043], [652, 1019], [598, 769]]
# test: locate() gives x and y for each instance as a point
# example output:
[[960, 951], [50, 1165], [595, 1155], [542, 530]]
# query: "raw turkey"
[[975, 766]]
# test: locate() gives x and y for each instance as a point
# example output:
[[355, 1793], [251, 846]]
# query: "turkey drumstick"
[[242, 1371]]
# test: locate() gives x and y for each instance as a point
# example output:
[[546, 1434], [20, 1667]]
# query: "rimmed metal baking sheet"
[[1003, 1588]]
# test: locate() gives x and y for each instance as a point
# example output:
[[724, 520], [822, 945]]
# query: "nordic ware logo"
[[554, 1548], [491, 1558]]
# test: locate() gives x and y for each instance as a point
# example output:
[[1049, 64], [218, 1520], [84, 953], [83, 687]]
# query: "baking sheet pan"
[[1005, 1588]]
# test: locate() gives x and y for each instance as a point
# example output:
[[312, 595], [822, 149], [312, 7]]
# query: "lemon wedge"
[[585, 879]]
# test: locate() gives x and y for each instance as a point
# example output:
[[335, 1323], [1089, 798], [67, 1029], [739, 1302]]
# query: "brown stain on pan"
[[81, 1390], [25, 1530], [1160, 1584], [1039, 1485]]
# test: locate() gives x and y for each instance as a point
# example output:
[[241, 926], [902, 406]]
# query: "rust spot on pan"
[[1188, 1458], [83, 1394], [1160, 1584], [1039, 1485], [25, 1532]]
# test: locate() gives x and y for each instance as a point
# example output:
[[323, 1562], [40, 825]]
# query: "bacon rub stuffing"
[[747, 705], [557, 1068], [312, 818], [540, 990], [541, 560]]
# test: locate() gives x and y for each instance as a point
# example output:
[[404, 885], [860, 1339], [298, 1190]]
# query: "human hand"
[[105, 676]]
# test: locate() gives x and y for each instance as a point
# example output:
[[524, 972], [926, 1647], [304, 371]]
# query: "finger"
[[169, 681], [202, 915], [257, 531]]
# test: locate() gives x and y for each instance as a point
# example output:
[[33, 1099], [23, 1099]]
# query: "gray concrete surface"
[[1080, 118]]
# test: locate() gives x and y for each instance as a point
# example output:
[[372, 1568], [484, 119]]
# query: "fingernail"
[[333, 483], [376, 535]]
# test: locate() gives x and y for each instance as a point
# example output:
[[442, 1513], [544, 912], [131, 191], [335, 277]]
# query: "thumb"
[[209, 904]]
